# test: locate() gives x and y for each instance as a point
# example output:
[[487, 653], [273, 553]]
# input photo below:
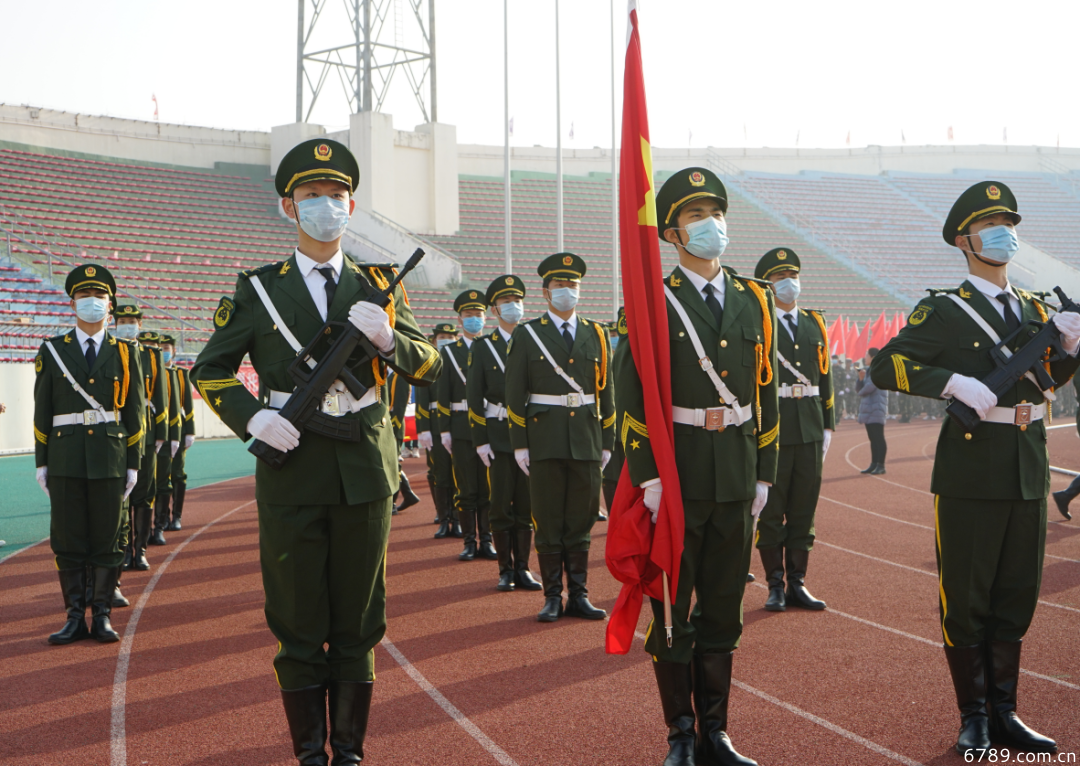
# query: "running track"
[[467, 676]]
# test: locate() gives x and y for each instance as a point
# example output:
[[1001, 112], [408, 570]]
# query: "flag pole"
[[614, 185], [558, 143], [506, 136], [667, 609]]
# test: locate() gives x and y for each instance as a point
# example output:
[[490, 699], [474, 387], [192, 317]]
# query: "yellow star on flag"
[[646, 215]]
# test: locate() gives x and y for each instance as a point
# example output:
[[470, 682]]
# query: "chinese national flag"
[[637, 550], [836, 336], [879, 333]]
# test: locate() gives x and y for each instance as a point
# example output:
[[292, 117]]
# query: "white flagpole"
[[614, 184], [558, 143], [506, 137]]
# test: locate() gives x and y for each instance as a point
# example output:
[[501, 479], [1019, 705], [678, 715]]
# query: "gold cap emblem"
[[509, 280], [472, 296], [782, 255], [567, 260], [697, 179], [322, 152], [90, 271], [993, 192]]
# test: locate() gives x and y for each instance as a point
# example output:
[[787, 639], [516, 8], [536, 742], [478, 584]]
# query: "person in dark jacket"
[[1067, 495], [873, 411]]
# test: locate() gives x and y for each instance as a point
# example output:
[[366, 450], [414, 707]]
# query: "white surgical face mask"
[[787, 289], [707, 239], [127, 331], [323, 218], [565, 298], [511, 312], [444, 342], [999, 243], [92, 310]]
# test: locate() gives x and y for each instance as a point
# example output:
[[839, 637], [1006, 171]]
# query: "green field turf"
[[24, 509]]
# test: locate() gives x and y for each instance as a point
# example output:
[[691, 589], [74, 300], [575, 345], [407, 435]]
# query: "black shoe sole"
[[775, 608]]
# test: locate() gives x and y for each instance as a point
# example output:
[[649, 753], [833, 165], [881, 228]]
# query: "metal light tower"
[[364, 55]]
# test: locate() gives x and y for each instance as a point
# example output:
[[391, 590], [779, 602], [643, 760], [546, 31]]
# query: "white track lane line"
[[118, 733], [849, 735], [460, 718], [16, 553]]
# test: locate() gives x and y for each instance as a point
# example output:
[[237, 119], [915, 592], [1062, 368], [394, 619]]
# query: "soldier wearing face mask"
[[785, 532], [428, 435], [89, 410], [324, 517], [470, 474], [990, 485], [167, 453], [560, 401]]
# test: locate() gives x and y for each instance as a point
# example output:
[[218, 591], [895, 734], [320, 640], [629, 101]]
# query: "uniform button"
[[723, 343], [534, 420], [327, 331], [571, 361], [90, 431], [723, 374], [57, 433], [1023, 428], [683, 335], [571, 414], [91, 381], [967, 436], [798, 364], [275, 327], [720, 429], [796, 346], [976, 344], [754, 432]]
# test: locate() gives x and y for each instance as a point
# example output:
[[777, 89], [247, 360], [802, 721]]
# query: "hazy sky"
[[728, 74]]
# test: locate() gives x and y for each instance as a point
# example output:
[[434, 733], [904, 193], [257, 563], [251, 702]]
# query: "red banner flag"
[[879, 333], [637, 550], [836, 336]]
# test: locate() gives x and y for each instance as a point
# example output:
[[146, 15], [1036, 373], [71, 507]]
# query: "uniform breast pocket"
[[752, 338], [272, 346], [541, 370], [682, 349], [974, 352]]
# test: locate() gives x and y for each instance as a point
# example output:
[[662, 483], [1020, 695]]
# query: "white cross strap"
[[278, 321], [453, 361], [495, 354], [558, 370], [70, 379], [791, 368]]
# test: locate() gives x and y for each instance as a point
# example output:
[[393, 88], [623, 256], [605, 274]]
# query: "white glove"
[[760, 499], [43, 479], [268, 426], [1068, 322], [486, 453], [971, 392], [374, 323], [424, 440], [132, 477], [605, 458], [653, 491], [157, 445], [522, 458], [173, 447], [447, 440], [825, 444], [189, 440]]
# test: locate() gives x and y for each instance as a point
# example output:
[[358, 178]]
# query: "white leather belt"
[[459, 406], [1020, 415], [798, 391], [84, 418], [566, 400], [334, 404], [497, 411], [713, 418]]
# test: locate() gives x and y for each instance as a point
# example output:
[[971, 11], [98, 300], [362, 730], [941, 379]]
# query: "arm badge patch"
[[224, 312]]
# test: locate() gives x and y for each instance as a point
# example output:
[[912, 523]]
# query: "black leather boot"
[[577, 573], [797, 594], [551, 573], [408, 497], [1003, 666], [712, 687], [179, 490], [350, 702], [119, 600], [969, 680], [129, 549], [468, 528], [305, 710], [73, 586], [144, 522], [773, 561], [101, 629], [452, 512], [523, 578], [870, 469], [504, 548], [442, 513], [434, 500], [1066, 496], [485, 549], [674, 680], [879, 470], [161, 518]]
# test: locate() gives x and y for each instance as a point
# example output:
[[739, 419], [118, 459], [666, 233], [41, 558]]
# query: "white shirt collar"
[[505, 335], [989, 289], [558, 320], [794, 313], [306, 264], [82, 337], [699, 282], [467, 340]]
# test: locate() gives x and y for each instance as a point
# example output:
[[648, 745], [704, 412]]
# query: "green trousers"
[[470, 478], [164, 470], [990, 557], [439, 465], [565, 501], [716, 557], [787, 519], [324, 575], [177, 472], [511, 506], [87, 521], [146, 487]]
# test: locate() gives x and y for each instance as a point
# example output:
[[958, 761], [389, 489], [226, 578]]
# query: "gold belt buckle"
[[1023, 414], [573, 400], [714, 418], [798, 391], [330, 405]]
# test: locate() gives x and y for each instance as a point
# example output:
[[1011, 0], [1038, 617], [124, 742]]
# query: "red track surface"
[[862, 683]]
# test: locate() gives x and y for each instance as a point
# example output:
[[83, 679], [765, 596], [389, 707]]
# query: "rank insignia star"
[[635, 444], [965, 294], [217, 402], [675, 281]]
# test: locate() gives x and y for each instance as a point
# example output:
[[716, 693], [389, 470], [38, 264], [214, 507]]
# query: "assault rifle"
[[1011, 367], [313, 379]]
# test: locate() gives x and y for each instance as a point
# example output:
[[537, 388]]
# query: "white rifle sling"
[[791, 368], [74, 384], [453, 361], [558, 370], [278, 321]]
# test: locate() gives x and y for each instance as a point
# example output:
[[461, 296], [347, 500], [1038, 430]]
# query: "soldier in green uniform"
[[163, 502], [324, 517], [471, 496], [560, 401], [785, 532], [187, 438], [440, 468], [614, 467], [155, 433], [511, 518], [397, 393], [990, 485], [726, 423], [89, 408], [1067, 495]]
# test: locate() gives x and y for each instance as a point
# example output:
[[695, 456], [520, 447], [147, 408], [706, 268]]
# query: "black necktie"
[[1010, 318], [91, 353], [567, 337], [713, 304], [331, 286], [791, 324]]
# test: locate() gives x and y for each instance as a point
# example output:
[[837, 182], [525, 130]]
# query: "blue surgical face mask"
[[473, 325], [441, 342], [707, 238], [166, 356], [127, 330], [787, 290], [565, 298], [999, 243], [323, 218], [614, 341], [92, 310], [511, 312]]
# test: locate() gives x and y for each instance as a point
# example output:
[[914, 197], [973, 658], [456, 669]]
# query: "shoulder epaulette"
[[1041, 295], [749, 279], [128, 341], [542, 319], [936, 291], [261, 269], [61, 336], [383, 266], [819, 312]]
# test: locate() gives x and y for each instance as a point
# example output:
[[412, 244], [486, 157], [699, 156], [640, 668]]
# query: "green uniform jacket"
[[999, 461], [102, 450], [450, 389], [552, 431], [487, 383], [187, 405], [156, 390], [319, 467], [172, 387], [721, 466], [397, 391], [804, 420], [425, 418]]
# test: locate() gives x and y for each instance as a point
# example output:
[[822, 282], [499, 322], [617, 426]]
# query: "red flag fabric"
[[898, 324], [879, 332], [862, 341], [836, 336], [638, 550]]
